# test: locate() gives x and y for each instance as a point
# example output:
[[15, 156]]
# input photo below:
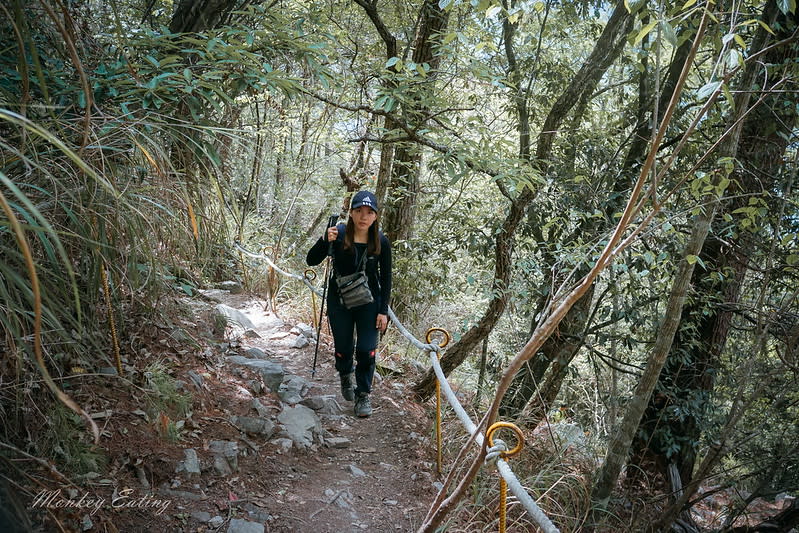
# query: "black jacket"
[[345, 262]]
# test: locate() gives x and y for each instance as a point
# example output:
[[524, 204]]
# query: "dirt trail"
[[378, 476], [380, 481]]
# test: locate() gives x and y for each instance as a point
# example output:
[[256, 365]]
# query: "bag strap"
[[361, 263]]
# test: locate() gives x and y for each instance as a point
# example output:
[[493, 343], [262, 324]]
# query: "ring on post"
[[516, 430], [444, 332], [309, 274]]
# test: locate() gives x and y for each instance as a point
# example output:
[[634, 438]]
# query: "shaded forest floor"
[[368, 474], [180, 401]]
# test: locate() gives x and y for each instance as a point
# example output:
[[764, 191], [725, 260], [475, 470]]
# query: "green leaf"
[[766, 27], [734, 59], [691, 259], [792, 259], [787, 6], [644, 32], [706, 90], [728, 96], [668, 33], [493, 11], [722, 186], [393, 61]]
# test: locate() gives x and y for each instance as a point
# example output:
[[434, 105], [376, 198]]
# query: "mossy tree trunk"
[[581, 86], [688, 375]]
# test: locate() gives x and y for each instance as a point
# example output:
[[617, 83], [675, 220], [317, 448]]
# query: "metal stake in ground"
[[330, 223]]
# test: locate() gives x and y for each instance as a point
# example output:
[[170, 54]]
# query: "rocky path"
[[271, 448]]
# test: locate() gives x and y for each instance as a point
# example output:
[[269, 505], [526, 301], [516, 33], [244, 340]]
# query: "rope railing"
[[497, 452]]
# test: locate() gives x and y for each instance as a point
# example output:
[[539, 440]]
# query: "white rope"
[[266, 258], [495, 452], [502, 466]]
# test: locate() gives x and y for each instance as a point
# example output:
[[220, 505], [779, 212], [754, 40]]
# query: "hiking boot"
[[363, 407], [346, 386]]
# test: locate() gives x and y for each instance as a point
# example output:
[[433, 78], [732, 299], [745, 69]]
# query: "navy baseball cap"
[[364, 198]]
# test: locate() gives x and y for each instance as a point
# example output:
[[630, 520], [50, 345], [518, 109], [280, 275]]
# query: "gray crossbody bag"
[[354, 288]]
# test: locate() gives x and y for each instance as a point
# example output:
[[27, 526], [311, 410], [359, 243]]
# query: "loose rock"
[[238, 525]]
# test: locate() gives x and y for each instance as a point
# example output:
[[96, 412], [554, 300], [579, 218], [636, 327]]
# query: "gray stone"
[[216, 521], [215, 295], [237, 525], [300, 424], [355, 471], [304, 330], [293, 389], [283, 444], [195, 378], [568, 435], [226, 456], [338, 442], [233, 287], [107, 371], [301, 342], [234, 317], [222, 466], [255, 353], [326, 405], [255, 386], [271, 372], [256, 513], [260, 408], [182, 336], [254, 426], [201, 516], [341, 498], [191, 463]]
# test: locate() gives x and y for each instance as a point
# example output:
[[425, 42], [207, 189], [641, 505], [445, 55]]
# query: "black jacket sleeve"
[[318, 251], [385, 274]]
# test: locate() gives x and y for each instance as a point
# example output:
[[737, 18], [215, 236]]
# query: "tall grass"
[[98, 213]]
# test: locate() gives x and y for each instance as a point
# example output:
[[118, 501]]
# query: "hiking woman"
[[358, 245]]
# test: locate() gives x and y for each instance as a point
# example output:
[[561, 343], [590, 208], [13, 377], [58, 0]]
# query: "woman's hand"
[[332, 233], [382, 322]]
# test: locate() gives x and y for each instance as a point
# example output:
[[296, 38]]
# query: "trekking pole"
[[330, 223]]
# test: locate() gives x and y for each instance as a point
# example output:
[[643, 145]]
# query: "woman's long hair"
[[372, 240]]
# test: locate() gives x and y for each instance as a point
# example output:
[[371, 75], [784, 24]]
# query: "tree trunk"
[[705, 324], [551, 362], [622, 439], [604, 53], [197, 16], [387, 151], [403, 189], [561, 348]]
